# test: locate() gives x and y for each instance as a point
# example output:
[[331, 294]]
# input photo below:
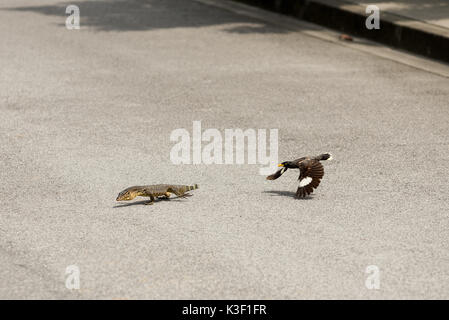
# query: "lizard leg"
[[151, 201], [179, 194], [165, 196]]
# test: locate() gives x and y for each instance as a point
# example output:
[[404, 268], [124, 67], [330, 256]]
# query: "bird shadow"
[[144, 202], [290, 194]]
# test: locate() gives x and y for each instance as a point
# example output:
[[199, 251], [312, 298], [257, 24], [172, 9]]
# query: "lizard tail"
[[195, 186]]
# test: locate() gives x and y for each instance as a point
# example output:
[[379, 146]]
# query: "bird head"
[[287, 164]]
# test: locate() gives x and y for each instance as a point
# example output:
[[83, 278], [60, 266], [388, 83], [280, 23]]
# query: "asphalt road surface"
[[86, 113]]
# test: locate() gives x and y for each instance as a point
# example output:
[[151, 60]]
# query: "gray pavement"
[[87, 113], [418, 27]]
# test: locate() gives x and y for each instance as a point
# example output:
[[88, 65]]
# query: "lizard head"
[[127, 194]]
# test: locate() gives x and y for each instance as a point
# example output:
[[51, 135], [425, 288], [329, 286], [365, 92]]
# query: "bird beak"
[[280, 165]]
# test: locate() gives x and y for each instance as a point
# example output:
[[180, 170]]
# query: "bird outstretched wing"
[[277, 174], [311, 172]]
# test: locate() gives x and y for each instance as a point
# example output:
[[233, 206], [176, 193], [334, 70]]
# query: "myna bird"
[[310, 172]]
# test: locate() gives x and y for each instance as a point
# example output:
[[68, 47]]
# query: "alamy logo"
[[373, 280], [73, 20], [73, 279], [189, 148], [373, 20]]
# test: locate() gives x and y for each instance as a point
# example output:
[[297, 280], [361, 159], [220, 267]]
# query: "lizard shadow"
[[144, 202], [290, 194]]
